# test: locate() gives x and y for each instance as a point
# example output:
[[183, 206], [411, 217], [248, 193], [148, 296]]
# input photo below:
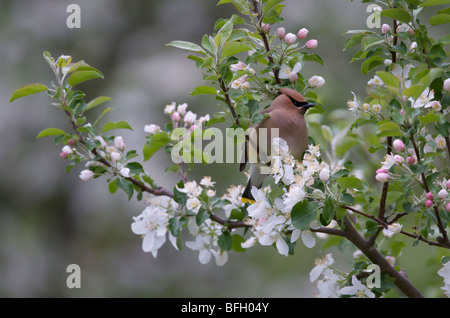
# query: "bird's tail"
[[247, 195]]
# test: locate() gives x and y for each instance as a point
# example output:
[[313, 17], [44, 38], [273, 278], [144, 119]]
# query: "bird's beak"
[[309, 105]]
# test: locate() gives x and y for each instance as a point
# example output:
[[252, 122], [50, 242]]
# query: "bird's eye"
[[297, 103]]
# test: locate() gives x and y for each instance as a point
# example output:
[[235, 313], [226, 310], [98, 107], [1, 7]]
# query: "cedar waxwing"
[[287, 115]]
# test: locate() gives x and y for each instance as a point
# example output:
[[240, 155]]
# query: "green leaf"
[[380, 92], [51, 132], [271, 4], [397, 14], [313, 58], [444, 39], [236, 244], [118, 125], [225, 241], [430, 3], [371, 63], [439, 19], [303, 213], [126, 186], [354, 40], [178, 196], [135, 168], [234, 47], [350, 183], [112, 186], [204, 90], [327, 211], [370, 41], [241, 6], [176, 225], [155, 142], [388, 79], [82, 76], [225, 31], [188, 46], [223, 2], [396, 248], [410, 208], [27, 90], [430, 117], [97, 101], [345, 144]]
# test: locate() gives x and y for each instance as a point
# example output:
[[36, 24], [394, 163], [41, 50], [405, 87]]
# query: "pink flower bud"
[[402, 111], [265, 27], [382, 177], [447, 85], [442, 194], [303, 33], [290, 38], [398, 145], [447, 207], [281, 32], [381, 170], [311, 44], [399, 160], [448, 184], [428, 204], [63, 155], [86, 175], [176, 116], [429, 196], [71, 142], [410, 160], [385, 28]]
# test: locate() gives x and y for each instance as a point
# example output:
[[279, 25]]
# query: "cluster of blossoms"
[[241, 82], [271, 223], [153, 223], [291, 38], [425, 100], [332, 283], [114, 154], [180, 118], [405, 157]]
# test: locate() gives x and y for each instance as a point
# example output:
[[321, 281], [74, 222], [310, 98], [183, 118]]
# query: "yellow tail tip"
[[245, 200]]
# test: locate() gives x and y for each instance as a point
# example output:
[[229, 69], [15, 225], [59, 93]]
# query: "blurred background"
[[50, 219]]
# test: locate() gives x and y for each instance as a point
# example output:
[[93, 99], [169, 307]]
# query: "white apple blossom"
[[190, 117], [181, 109], [191, 188], [152, 225], [152, 129], [376, 80], [261, 206], [170, 108], [206, 243], [125, 172], [286, 72], [357, 289], [316, 81], [67, 149], [392, 229], [353, 104], [423, 100], [119, 143], [233, 196], [193, 204], [295, 194], [445, 273]]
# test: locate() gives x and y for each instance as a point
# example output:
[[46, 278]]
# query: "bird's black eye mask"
[[301, 104]]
